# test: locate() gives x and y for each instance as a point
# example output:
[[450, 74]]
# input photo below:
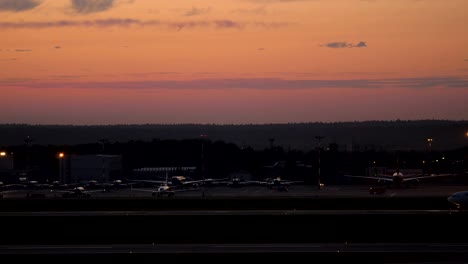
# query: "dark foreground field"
[[405, 230], [227, 203]]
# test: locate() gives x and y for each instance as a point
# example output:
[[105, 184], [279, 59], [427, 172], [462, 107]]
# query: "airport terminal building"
[[154, 173], [84, 168]]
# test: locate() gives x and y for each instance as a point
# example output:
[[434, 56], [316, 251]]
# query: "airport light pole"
[[61, 157], [429, 141], [103, 142], [28, 141], [319, 138], [203, 136]]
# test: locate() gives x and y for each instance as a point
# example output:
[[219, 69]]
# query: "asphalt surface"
[[116, 226], [422, 190], [236, 248], [227, 213]]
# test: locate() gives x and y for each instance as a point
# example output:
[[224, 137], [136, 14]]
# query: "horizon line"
[[238, 124]]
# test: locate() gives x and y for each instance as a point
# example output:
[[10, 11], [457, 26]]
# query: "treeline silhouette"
[[376, 135]]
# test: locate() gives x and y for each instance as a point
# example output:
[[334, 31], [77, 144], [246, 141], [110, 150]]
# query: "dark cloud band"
[[91, 6], [121, 22], [18, 5], [344, 44], [259, 83]]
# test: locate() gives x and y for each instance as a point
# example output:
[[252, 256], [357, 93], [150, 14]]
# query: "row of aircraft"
[[75, 190], [459, 199], [165, 187], [180, 184], [34, 185]]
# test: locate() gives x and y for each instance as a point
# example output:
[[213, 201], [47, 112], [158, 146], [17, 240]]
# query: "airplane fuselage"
[[460, 199]]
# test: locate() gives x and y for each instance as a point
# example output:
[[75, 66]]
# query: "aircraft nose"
[[452, 199]]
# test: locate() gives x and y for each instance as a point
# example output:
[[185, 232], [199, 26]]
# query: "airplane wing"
[[94, 191], [380, 178], [144, 190], [216, 180], [193, 182], [171, 190], [253, 182], [148, 181], [60, 191], [72, 190], [288, 183], [227, 181], [415, 178]]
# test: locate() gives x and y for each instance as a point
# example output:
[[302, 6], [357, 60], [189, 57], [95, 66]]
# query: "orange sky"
[[232, 61]]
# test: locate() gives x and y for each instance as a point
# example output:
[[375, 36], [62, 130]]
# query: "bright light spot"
[[443, 158], [61, 155], [3, 153], [437, 160], [424, 161]]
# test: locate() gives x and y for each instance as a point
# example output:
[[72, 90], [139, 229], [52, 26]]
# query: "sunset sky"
[[232, 61]]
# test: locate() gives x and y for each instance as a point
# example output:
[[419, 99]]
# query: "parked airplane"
[[56, 185], [180, 181], [118, 185], [236, 182], [32, 185], [398, 179], [269, 182], [460, 199], [77, 192], [272, 183], [28, 186]]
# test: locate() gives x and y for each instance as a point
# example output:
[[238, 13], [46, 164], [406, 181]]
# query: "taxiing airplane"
[[460, 199]]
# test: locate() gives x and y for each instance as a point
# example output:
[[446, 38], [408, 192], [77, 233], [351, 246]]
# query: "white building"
[[153, 173]]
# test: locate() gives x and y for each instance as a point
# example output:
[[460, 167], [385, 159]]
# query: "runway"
[[226, 213], [235, 248]]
